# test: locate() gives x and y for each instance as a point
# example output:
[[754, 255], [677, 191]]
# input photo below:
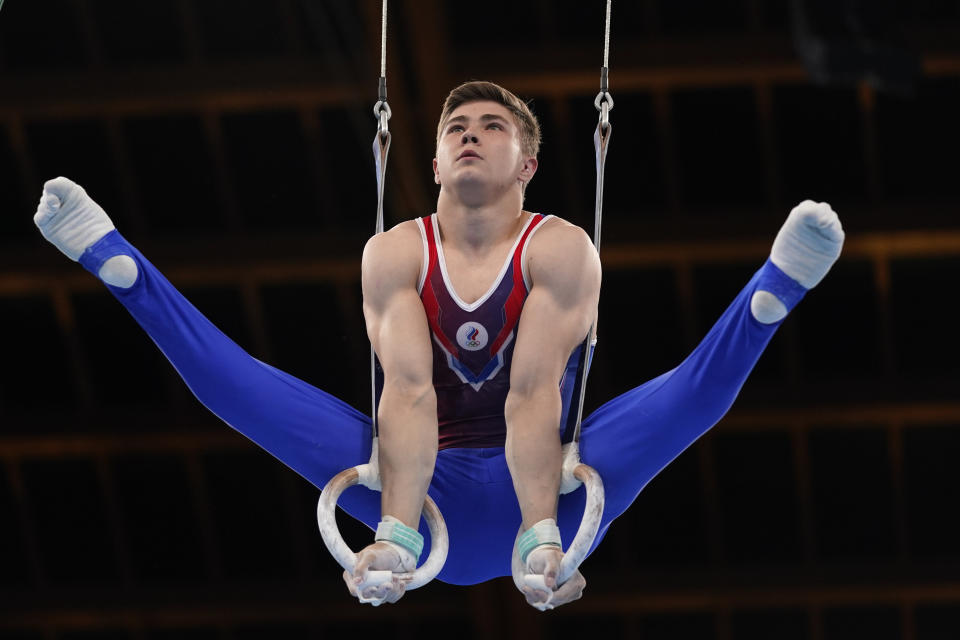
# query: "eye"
[[454, 128], [495, 125]]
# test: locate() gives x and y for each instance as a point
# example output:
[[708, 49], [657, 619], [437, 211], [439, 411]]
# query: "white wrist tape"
[[543, 533]]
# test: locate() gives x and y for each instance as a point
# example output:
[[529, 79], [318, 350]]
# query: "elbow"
[[409, 393], [533, 404]]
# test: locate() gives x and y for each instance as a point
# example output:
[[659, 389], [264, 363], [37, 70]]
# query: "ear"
[[527, 169], [436, 174]]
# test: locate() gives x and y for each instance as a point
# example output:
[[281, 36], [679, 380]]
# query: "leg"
[[628, 440], [310, 431], [632, 437], [657, 421], [474, 490]]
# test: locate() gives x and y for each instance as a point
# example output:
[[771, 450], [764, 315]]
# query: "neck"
[[476, 227]]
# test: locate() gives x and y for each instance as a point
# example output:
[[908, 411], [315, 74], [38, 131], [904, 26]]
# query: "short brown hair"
[[479, 90]]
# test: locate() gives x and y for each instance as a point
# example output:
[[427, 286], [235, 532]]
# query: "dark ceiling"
[[230, 141]]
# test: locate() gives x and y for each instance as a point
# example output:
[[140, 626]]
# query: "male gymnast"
[[477, 314]]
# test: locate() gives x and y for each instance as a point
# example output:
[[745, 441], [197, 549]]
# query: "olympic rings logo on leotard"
[[472, 336]]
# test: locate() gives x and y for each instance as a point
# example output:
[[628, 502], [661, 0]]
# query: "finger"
[[570, 590], [376, 592], [364, 560], [536, 582], [388, 592], [351, 587], [535, 596], [551, 569], [399, 588], [373, 578], [537, 602]]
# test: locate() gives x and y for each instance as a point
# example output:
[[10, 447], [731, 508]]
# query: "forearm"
[[533, 451], [408, 449]]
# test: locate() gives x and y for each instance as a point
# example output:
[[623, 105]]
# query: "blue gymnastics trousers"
[[628, 440]]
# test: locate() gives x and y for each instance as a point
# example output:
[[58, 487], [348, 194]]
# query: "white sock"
[[69, 218], [807, 245], [72, 222]]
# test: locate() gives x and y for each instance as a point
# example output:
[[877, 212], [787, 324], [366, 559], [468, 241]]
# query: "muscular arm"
[[565, 272], [397, 327]]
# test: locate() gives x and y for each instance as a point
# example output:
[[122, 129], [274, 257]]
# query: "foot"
[[72, 222], [805, 248], [808, 243], [69, 219]]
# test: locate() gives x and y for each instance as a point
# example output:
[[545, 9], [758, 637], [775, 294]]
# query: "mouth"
[[468, 154]]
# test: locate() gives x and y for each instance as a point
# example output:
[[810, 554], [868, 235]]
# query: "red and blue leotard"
[[473, 342]]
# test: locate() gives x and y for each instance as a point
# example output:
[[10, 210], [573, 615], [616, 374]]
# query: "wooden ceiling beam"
[[295, 83], [16, 280]]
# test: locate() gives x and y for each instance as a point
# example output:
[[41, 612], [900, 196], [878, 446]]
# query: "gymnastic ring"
[[582, 541], [326, 518]]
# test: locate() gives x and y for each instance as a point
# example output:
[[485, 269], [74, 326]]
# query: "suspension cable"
[[381, 110], [383, 43], [601, 138], [381, 149]]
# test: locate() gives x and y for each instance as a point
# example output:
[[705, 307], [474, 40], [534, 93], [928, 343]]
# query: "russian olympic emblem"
[[472, 336]]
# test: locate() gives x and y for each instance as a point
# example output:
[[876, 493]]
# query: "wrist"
[[406, 541], [543, 534]]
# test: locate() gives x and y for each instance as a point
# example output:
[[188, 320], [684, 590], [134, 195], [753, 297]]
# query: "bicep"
[[395, 318], [547, 335], [556, 318], [401, 338]]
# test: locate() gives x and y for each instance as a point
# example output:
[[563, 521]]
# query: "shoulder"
[[559, 228], [395, 255], [560, 248]]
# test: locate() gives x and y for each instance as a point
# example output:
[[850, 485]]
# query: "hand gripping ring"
[[326, 518], [574, 473]]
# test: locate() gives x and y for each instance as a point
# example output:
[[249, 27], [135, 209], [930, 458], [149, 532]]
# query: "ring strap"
[[544, 532], [395, 531]]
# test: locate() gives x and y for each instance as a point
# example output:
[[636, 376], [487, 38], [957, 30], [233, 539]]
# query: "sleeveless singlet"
[[473, 343]]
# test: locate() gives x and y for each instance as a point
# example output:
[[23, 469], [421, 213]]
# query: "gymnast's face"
[[479, 154]]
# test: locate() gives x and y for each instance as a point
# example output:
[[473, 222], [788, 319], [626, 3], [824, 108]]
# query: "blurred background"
[[230, 141]]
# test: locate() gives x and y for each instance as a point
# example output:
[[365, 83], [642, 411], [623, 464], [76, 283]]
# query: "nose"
[[469, 136]]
